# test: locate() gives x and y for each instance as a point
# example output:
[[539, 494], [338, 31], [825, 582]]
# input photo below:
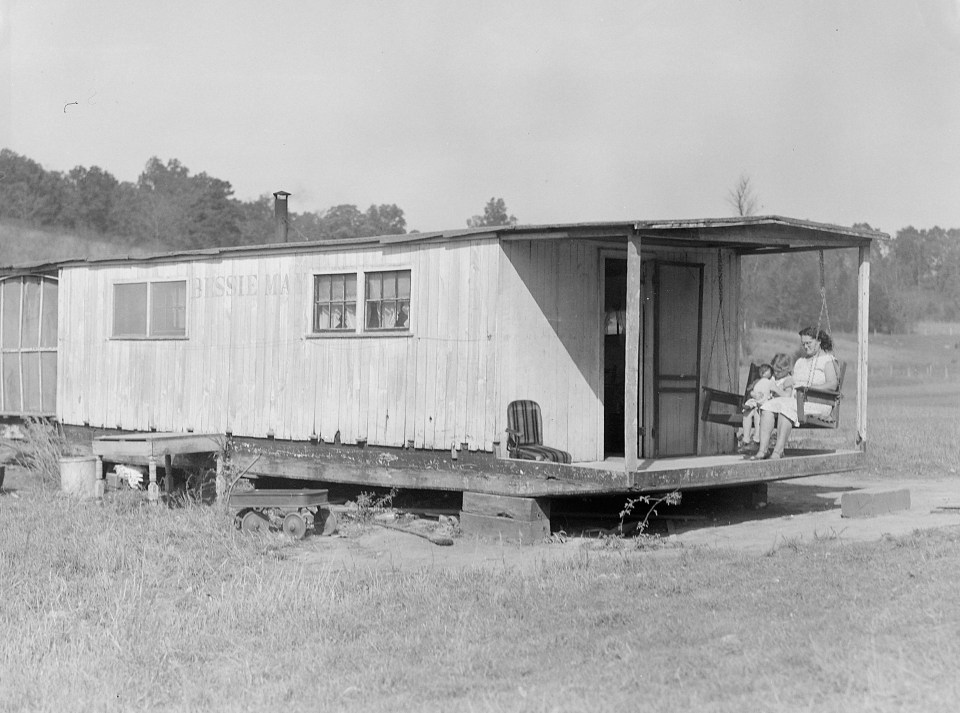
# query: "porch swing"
[[804, 394]]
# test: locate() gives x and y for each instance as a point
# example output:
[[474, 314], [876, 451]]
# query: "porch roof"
[[748, 234]]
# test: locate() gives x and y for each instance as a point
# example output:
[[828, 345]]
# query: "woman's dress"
[[808, 371]]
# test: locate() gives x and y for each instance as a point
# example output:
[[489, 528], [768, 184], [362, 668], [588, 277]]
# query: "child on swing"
[[775, 380]]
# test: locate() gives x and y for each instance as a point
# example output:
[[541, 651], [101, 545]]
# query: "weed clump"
[[41, 448]]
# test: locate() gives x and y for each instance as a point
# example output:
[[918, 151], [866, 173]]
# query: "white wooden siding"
[[248, 367], [489, 324]]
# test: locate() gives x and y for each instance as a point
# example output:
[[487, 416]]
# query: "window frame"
[[314, 304], [360, 329], [382, 299], [150, 333]]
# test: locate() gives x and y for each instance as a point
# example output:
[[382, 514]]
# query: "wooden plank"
[[863, 338], [431, 296], [742, 472], [631, 427], [490, 347], [416, 428], [459, 374]]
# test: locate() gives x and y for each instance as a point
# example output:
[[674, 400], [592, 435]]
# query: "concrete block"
[[524, 532], [872, 503]]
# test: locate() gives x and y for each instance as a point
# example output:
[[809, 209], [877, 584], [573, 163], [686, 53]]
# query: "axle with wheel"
[[291, 511]]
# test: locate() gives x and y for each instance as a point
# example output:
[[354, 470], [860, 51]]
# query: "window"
[[150, 309], [334, 302], [388, 300]]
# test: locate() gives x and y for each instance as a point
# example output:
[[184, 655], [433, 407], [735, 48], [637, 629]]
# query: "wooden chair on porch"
[[804, 394], [525, 434]]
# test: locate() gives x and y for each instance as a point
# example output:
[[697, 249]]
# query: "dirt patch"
[[798, 512]]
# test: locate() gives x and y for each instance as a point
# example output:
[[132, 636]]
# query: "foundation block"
[[512, 519], [873, 503]]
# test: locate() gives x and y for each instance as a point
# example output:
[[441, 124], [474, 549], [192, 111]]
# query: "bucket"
[[78, 476]]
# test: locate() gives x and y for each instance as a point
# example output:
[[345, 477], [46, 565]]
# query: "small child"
[[763, 389], [783, 373]]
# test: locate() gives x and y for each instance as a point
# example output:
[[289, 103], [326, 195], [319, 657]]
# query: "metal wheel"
[[294, 526], [326, 522], [253, 521]]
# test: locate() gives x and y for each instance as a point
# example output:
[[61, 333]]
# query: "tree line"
[[914, 276], [168, 206]]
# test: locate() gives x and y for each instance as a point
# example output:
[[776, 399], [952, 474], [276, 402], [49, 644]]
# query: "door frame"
[[652, 294]]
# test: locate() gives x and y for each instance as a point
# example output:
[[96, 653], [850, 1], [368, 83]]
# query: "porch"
[[482, 473]]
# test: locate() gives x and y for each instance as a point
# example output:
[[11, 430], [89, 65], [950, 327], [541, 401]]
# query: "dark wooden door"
[[676, 388]]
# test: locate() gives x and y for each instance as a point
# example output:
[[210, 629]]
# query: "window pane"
[[11, 314], [403, 284], [389, 285], [337, 285], [168, 307], [30, 368], [323, 316], [373, 287], [11, 382], [351, 314], [351, 287], [48, 320], [48, 373], [388, 312], [373, 315], [336, 316], [403, 313], [30, 336], [323, 288], [130, 310]]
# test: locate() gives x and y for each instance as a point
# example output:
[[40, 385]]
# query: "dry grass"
[[124, 606]]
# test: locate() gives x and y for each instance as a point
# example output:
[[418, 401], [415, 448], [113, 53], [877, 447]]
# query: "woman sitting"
[[817, 369]]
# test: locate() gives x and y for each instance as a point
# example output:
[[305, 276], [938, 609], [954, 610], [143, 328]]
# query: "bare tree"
[[742, 197]]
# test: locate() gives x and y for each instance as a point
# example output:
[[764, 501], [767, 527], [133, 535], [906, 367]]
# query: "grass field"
[[23, 245], [122, 606]]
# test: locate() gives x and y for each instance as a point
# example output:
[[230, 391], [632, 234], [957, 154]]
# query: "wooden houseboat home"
[[394, 360]]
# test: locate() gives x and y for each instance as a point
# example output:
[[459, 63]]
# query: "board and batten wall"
[[550, 329], [250, 366], [490, 323]]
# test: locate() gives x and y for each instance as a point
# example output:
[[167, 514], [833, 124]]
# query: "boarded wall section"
[[250, 365]]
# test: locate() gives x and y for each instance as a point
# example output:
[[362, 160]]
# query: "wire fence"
[[947, 372]]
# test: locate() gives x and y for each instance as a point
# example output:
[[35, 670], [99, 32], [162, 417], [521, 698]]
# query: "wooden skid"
[[479, 472], [522, 532], [521, 509]]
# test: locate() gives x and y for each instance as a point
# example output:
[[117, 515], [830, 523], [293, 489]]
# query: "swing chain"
[[824, 312], [721, 320]]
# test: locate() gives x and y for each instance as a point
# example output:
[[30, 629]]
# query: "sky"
[[841, 111]]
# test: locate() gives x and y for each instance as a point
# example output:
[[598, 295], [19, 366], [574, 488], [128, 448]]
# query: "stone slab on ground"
[[808, 509], [868, 503]]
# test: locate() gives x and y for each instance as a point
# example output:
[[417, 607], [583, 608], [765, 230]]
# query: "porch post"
[[631, 395], [863, 337]]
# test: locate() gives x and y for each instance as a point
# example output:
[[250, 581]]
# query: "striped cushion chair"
[[525, 434]]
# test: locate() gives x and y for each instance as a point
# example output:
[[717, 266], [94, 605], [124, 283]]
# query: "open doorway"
[[614, 352]]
